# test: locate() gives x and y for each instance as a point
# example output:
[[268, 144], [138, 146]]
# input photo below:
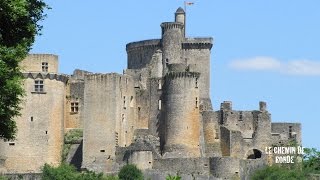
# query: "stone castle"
[[157, 115]]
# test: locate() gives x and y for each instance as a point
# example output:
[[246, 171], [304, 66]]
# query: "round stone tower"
[[172, 35], [181, 111]]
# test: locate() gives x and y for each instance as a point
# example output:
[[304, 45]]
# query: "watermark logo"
[[285, 154]]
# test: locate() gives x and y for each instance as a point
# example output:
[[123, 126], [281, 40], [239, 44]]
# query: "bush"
[[130, 172], [279, 173], [62, 172], [73, 136], [177, 177], [68, 172]]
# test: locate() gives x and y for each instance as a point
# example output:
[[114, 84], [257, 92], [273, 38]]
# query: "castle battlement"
[[197, 43], [140, 45], [174, 75], [35, 75], [171, 25]]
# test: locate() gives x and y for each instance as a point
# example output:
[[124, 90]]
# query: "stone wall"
[[225, 167], [283, 133], [211, 131], [33, 63], [109, 118]]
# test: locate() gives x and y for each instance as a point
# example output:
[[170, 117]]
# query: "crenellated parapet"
[[174, 75], [57, 77], [143, 45], [171, 25], [197, 43]]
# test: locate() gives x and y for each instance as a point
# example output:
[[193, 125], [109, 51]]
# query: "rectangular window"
[[45, 67], [74, 107], [159, 104], [38, 85]]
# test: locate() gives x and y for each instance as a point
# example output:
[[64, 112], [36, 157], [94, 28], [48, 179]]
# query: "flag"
[[188, 3]]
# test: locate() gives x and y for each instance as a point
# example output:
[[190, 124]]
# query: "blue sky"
[[263, 50]]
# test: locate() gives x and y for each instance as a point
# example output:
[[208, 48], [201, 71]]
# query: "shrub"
[[130, 172], [73, 136], [177, 177], [279, 173], [62, 172], [68, 172]]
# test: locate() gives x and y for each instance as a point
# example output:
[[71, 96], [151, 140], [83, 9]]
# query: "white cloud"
[[303, 67], [294, 67], [256, 63]]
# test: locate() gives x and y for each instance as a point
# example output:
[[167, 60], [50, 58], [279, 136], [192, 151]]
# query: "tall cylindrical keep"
[[171, 42], [181, 115]]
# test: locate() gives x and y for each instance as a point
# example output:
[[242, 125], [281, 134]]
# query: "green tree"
[[311, 160], [19, 24], [130, 172]]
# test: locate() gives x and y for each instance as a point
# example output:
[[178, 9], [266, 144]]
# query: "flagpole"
[[185, 17]]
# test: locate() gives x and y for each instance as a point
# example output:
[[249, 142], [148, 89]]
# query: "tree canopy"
[[19, 25]]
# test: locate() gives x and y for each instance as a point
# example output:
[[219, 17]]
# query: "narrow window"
[[124, 102], [159, 104], [122, 117], [196, 82], [197, 104], [12, 144], [240, 116], [290, 131], [167, 62], [74, 107], [31, 118], [117, 138], [44, 67], [102, 150], [38, 85], [159, 84], [131, 101]]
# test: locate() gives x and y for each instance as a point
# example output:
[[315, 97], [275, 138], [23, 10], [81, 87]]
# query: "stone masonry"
[[157, 115]]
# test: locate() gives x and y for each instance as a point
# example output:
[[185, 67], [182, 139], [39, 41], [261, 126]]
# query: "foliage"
[[18, 27], [68, 172], [311, 163], [3, 178], [65, 151], [130, 172], [62, 172], [73, 136], [279, 173], [310, 166], [177, 177]]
